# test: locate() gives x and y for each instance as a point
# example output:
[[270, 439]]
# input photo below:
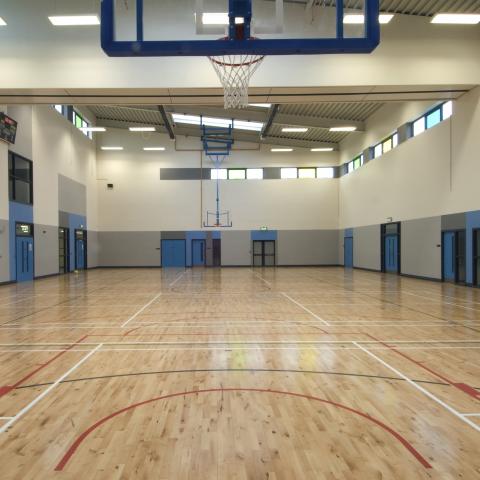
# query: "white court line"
[[421, 389], [444, 303], [177, 279], [471, 414], [135, 315], [5, 418], [261, 278], [24, 410], [306, 309]]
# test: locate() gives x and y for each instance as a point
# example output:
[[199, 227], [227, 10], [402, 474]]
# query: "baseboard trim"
[[420, 277], [129, 266], [8, 282], [367, 269]]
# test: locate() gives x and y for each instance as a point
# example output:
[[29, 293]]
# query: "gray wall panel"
[[366, 247], [63, 219], [72, 196], [129, 249], [46, 250], [341, 242], [236, 247], [173, 235], [307, 247], [92, 249], [420, 254], [457, 221], [4, 252]]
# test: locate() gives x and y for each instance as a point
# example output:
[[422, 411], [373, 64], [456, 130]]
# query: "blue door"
[[79, 254], [449, 247], [24, 257], [198, 253], [348, 252], [173, 253], [391, 253]]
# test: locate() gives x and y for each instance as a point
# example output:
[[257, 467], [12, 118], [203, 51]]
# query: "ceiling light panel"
[[74, 20], [457, 18], [295, 129]]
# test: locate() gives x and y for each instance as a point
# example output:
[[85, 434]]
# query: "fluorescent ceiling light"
[[261, 105], [74, 20], [93, 129], [112, 148], [2, 22], [281, 150], [343, 129], [326, 149], [295, 129], [154, 149], [457, 18], [217, 122], [219, 18], [142, 129], [359, 18]]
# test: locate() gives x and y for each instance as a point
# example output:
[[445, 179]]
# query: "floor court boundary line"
[[177, 279], [420, 388], [471, 414], [306, 309], [135, 315], [261, 278], [37, 399]]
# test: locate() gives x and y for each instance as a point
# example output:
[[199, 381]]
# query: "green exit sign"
[[264, 229]]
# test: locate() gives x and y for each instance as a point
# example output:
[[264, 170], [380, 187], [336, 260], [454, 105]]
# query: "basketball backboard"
[[259, 27]]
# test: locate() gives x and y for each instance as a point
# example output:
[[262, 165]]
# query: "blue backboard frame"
[[292, 46]]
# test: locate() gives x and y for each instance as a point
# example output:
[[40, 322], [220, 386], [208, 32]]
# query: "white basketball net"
[[235, 72]]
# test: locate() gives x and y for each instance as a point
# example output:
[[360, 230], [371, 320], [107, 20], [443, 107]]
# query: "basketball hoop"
[[235, 72]]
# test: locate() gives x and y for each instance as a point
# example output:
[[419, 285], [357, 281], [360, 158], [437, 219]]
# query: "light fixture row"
[[107, 148], [284, 150]]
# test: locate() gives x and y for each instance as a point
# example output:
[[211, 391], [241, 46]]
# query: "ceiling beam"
[[166, 122], [270, 120]]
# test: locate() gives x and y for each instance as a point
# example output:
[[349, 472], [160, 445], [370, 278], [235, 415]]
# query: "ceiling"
[[318, 118], [412, 7]]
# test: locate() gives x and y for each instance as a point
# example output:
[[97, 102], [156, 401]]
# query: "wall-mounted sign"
[[8, 128], [23, 230], [263, 229]]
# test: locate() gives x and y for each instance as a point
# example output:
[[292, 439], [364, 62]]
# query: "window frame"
[[12, 178], [282, 169], [331, 171], [254, 178], [218, 170], [438, 108], [299, 169]]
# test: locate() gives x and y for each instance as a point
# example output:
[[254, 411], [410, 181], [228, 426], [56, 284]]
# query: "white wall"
[[432, 174], [413, 52], [141, 201]]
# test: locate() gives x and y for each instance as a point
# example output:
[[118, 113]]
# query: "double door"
[[24, 258], [63, 250], [476, 257], [454, 256], [80, 249], [264, 253]]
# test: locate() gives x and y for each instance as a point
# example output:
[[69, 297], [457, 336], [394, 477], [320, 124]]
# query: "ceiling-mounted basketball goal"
[[243, 43]]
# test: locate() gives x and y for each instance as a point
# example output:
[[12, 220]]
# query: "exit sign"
[[264, 229]]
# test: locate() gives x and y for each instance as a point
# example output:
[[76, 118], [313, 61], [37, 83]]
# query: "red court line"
[[76, 444], [460, 386], [7, 388]]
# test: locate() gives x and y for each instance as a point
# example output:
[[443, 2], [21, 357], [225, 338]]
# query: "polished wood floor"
[[294, 373]]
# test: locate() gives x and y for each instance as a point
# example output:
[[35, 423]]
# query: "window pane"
[[433, 118], [325, 172], [387, 145], [419, 126], [255, 173], [395, 140], [447, 110], [220, 174], [361, 159], [288, 173], [356, 163], [391, 228], [22, 192], [10, 189], [84, 124], [306, 173], [59, 109], [350, 167], [22, 169], [236, 174], [78, 121], [378, 150]]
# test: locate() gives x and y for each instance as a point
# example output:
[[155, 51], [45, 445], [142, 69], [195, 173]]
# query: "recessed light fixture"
[[74, 20], [93, 129], [2, 22], [324, 149], [343, 129], [261, 105], [154, 149], [281, 149], [217, 122], [219, 18], [295, 129], [457, 18], [111, 148], [359, 18], [142, 129]]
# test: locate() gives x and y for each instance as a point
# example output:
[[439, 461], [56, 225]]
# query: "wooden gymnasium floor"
[[294, 373]]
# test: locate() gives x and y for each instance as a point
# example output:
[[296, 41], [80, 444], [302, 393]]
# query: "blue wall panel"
[[173, 253], [18, 212], [264, 235], [75, 222], [473, 221]]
